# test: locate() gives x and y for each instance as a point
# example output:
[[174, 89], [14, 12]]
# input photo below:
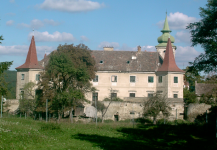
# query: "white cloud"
[[12, 1], [183, 37], [108, 44], [37, 24], [70, 5], [55, 37], [10, 23], [185, 55], [22, 50], [177, 21], [84, 38]]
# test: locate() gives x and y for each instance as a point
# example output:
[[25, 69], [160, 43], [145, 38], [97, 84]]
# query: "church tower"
[[162, 40], [29, 71]]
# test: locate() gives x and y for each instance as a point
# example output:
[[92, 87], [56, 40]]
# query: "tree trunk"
[[59, 118], [154, 120], [71, 115]]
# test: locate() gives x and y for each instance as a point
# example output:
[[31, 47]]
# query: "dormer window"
[[128, 62], [101, 62]]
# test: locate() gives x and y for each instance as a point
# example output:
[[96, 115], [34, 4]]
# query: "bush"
[[50, 126]]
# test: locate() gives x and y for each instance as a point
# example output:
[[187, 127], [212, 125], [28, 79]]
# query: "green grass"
[[20, 133]]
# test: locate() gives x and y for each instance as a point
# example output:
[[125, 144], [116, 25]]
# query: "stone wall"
[[195, 109]]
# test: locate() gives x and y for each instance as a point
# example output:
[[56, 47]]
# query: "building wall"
[[161, 51], [30, 76], [123, 87]]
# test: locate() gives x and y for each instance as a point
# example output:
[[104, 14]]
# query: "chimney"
[[139, 48], [108, 48]]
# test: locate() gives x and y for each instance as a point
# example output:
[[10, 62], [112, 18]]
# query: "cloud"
[[55, 37], [70, 5], [22, 50], [185, 55], [10, 23], [37, 24], [177, 21], [183, 37], [108, 44], [12, 1], [84, 38]]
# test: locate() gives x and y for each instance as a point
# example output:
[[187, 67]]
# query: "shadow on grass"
[[155, 137]]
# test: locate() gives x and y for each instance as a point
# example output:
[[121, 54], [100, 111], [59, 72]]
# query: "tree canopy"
[[3, 67], [67, 77], [204, 33]]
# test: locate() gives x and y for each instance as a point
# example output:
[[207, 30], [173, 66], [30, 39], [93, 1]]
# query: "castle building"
[[129, 75]]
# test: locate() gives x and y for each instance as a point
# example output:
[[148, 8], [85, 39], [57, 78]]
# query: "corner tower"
[[162, 40], [29, 71], [171, 75]]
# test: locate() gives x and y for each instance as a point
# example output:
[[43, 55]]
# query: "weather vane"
[[33, 31]]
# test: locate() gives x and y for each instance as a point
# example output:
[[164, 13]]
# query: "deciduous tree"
[[204, 33]]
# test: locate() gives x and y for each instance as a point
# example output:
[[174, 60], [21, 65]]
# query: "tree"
[[67, 78], [156, 104], [27, 102], [191, 77], [189, 97], [3, 67], [204, 32]]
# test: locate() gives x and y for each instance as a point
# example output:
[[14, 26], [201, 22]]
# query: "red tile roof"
[[169, 63], [31, 59]]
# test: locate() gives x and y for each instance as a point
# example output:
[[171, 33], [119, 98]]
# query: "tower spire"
[[169, 63], [31, 59]]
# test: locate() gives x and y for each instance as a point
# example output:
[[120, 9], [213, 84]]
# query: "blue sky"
[[123, 24]]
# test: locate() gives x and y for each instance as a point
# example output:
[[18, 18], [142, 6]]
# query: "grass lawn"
[[19, 133]]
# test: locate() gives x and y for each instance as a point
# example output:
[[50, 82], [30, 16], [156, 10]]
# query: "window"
[[21, 94], [101, 62], [22, 76], [132, 95], [113, 95], [150, 95], [160, 79], [132, 78], [150, 79], [114, 78], [94, 96], [175, 95], [128, 62], [175, 79], [37, 77], [95, 79]]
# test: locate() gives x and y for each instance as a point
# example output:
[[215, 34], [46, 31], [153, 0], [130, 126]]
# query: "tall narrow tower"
[[162, 40], [29, 71]]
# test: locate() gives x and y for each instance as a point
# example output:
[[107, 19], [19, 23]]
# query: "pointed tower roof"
[[31, 59], [169, 63], [162, 40]]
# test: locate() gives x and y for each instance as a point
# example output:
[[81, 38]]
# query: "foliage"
[[189, 97], [191, 76], [156, 104], [66, 78], [27, 102], [207, 99], [11, 79], [204, 33]]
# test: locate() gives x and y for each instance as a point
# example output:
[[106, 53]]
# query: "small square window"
[[132, 95], [150, 79], [114, 79], [95, 79], [22, 76], [175, 79], [132, 78], [175, 95], [21, 94], [113, 95], [94, 96], [37, 77], [160, 79], [150, 95]]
